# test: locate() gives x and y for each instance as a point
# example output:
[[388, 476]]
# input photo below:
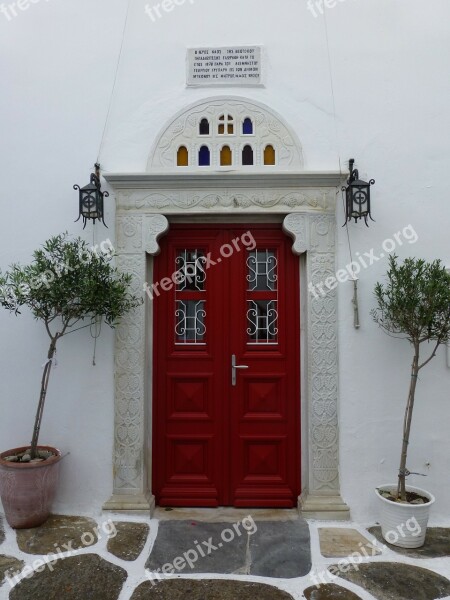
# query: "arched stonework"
[[268, 129], [305, 202]]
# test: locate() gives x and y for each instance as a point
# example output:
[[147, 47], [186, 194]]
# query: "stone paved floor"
[[247, 555]]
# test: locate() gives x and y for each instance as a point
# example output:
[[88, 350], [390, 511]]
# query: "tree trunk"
[[42, 396], [401, 489]]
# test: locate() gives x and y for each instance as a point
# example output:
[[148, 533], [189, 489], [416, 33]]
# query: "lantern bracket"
[[91, 199], [357, 192]]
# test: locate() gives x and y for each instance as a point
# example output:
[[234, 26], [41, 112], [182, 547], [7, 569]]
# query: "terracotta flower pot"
[[28, 489]]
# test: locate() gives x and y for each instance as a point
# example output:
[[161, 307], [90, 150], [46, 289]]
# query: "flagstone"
[[75, 578], [281, 549], [212, 589], [188, 540], [59, 533], [273, 548], [9, 566], [129, 539], [437, 543], [329, 591], [396, 581], [341, 542]]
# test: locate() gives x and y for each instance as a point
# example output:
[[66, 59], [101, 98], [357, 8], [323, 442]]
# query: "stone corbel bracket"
[[295, 225], [155, 227]]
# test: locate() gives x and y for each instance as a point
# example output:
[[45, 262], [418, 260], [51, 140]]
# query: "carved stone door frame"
[[305, 203]]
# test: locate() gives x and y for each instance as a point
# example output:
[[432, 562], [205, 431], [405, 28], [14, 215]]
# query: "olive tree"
[[66, 283], [414, 304]]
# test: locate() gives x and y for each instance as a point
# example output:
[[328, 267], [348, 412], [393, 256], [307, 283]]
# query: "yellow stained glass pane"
[[182, 157], [221, 129], [230, 129], [269, 155], [225, 156]]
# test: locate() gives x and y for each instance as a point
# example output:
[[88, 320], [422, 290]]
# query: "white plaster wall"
[[386, 61]]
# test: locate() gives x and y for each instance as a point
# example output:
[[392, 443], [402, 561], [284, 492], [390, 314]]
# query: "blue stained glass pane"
[[247, 127], [204, 158]]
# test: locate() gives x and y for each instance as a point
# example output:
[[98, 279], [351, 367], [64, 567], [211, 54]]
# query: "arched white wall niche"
[[228, 119], [305, 203]]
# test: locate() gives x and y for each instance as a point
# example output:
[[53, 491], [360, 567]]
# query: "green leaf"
[[414, 302], [67, 282]]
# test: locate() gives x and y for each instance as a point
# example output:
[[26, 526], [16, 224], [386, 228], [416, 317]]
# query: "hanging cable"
[[114, 82], [97, 165], [356, 323], [330, 71], [348, 237], [355, 302], [95, 329]]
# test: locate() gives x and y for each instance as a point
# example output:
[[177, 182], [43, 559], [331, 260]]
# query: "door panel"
[[265, 401], [225, 436], [188, 434]]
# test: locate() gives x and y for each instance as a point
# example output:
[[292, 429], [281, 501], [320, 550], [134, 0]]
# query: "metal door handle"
[[234, 366]]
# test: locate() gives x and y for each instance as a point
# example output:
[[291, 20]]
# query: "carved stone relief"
[[268, 127]]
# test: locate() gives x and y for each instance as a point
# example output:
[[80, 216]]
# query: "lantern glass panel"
[[89, 202], [360, 196]]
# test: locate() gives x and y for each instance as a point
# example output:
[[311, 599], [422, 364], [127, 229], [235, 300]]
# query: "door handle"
[[234, 366]]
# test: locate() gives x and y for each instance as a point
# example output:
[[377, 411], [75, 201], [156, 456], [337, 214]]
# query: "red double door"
[[226, 368]]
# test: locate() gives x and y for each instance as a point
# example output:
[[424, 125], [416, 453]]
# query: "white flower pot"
[[404, 525]]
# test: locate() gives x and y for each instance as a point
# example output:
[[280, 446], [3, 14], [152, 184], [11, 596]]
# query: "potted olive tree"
[[413, 304], [66, 284]]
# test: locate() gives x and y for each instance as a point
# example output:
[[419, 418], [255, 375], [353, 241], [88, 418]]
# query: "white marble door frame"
[[305, 203]]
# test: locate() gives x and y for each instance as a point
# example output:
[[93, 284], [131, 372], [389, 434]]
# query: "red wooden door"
[[226, 368]]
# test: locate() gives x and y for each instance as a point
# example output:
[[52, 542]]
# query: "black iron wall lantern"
[[91, 199], [357, 195]]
